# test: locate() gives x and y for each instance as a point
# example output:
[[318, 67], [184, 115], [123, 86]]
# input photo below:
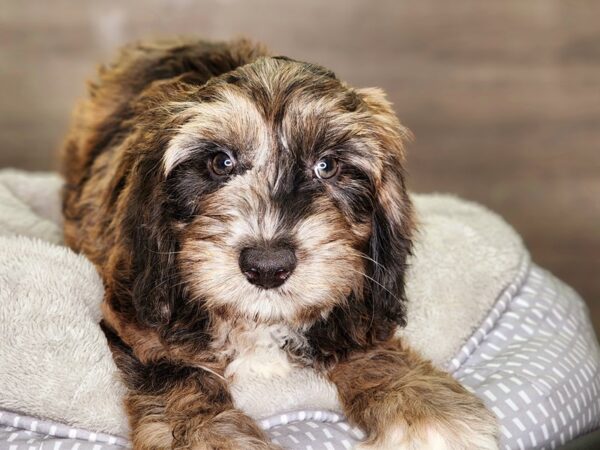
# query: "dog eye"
[[221, 165], [326, 168]]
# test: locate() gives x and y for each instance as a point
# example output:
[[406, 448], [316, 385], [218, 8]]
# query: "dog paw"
[[468, 433], [227, 445]]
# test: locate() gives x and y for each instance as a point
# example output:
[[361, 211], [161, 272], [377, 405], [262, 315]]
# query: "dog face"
[[280, 197]]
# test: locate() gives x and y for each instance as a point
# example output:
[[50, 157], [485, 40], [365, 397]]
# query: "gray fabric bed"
[[505, 328], [534, 360]]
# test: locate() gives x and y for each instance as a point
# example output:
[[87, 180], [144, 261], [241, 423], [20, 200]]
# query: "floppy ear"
[[147, 232], [155, 285], [392, 221]]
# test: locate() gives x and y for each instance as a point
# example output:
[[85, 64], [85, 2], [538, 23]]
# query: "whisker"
[[376, 282], [164, 253], [368, 258], [167, 279]]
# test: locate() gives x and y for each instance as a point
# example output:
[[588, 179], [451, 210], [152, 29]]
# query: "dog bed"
[[508, 330]]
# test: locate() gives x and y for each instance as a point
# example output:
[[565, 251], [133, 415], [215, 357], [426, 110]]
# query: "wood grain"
[[503, 97]]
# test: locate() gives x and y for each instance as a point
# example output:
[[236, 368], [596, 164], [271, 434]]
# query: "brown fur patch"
[[401, 400], [197, 413]]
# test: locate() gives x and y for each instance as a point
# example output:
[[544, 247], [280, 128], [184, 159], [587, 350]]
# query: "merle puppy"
[[235, 204]]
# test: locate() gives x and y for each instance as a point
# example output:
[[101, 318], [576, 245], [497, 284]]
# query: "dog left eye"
[[326, 168], [221, 165]]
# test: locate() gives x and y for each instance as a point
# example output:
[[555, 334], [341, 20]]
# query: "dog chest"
[[255, 350]]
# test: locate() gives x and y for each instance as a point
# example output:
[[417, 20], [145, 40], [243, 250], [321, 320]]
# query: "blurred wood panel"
[[503, 97]]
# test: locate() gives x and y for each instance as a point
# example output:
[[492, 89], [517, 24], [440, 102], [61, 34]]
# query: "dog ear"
[[147, 229], [155, 285], [392, 220], [155, 290]]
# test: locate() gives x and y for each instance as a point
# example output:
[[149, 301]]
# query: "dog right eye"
[[221, 165], [326, 168]]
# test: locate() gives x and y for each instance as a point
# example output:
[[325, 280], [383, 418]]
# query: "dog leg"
[[173, 406], [403, 402], [192, 412]]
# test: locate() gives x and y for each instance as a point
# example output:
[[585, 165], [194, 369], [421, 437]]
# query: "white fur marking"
[[258, 352]]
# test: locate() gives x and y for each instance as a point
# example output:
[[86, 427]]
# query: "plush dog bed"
[[508, 330]]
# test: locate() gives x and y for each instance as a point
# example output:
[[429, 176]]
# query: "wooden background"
[[503, 97]]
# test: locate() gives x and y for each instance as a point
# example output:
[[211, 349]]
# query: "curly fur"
[[166, 236]]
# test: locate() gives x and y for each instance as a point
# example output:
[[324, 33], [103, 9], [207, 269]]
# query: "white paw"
[[453, 436], [394, 438]]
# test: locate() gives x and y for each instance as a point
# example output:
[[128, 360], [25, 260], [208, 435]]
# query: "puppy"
[[248, 214]]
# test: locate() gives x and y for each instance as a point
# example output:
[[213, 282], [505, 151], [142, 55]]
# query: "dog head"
[[276, 193]]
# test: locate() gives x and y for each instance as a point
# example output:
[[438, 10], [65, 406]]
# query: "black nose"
[[267, 267]]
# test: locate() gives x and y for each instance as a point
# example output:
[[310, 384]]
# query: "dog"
[[248, 213]]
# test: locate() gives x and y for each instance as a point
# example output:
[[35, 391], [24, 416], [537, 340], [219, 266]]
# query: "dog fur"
[[143, 202]]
